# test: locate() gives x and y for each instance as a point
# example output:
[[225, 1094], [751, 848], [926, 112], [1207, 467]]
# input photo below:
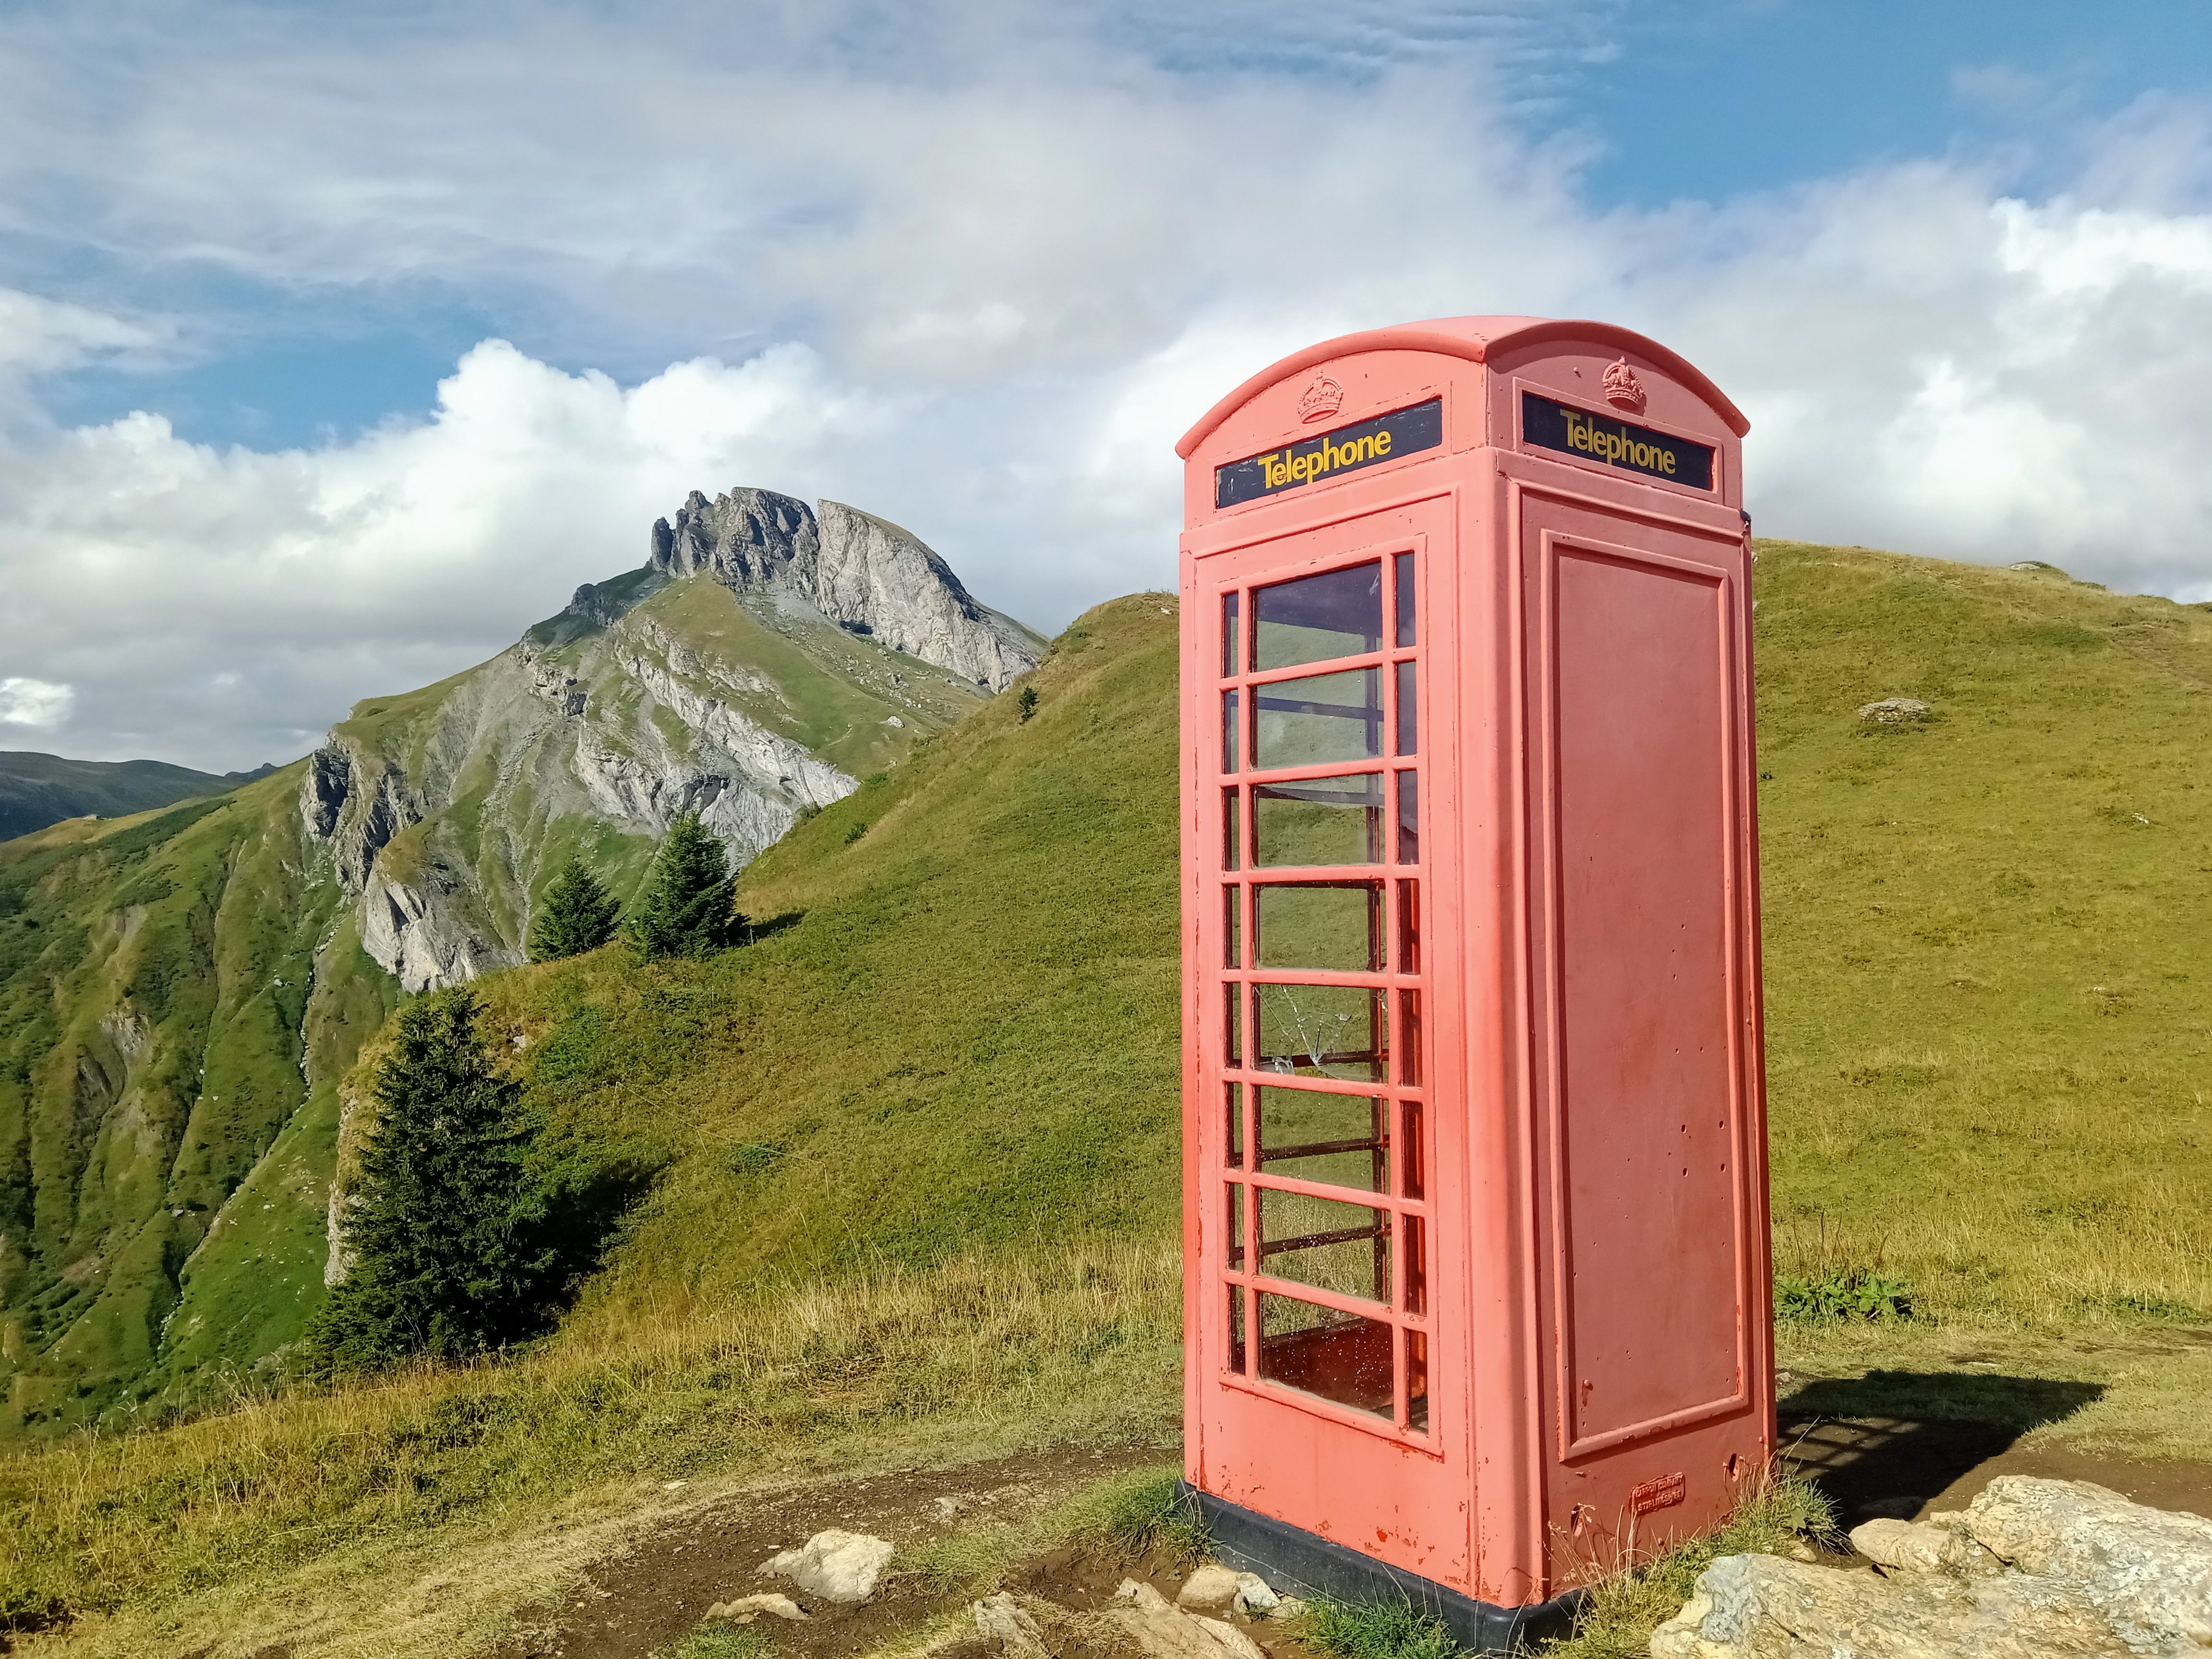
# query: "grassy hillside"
[[915, 1147], [174, 1004]]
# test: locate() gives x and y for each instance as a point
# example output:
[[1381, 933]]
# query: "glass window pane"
[[1232, 831], [1319, 821], [1409, 728], [1338, 1356], [1409, 926], [1409, 817], [1413, 1150], [1403, 577], [1334, 925], [1229, 633], [1235, 1228], [1237, 1327], [1342, 1140], [1229, 730], [1234, 1107], [1331, 1246], [1317, 721], [1338, 613], [1409, 1038], [1232, 920], [1417, 1379], [1415, 1233], [1324, 1030], [1232, 1000]]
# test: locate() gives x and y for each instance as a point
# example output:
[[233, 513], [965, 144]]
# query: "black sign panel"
[[1385, 438], [1551, 425]]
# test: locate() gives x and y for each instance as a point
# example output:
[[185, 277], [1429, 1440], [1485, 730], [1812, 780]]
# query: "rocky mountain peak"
[[863, 572]]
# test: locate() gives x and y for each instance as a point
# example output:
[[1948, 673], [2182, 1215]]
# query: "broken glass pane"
[[1338, 1356], [1324, 1030]]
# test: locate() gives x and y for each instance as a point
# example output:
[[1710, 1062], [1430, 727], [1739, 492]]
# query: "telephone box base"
[[1295, 1560]]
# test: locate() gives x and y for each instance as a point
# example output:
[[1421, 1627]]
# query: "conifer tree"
[[577, 915], [447, 1225], [685, 909]]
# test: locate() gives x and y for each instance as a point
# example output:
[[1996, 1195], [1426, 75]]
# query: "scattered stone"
[[747, 1608], [1287, 1608], [1254, 1598], [1210, 1590], [1002, 1619], [1906, 1546], [836, 1566], [1895, 711], [2031, 1569]]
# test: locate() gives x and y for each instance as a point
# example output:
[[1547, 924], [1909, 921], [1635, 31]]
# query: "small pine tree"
[[685, 909], [1027, 702], [577, 915], [447, 1225]]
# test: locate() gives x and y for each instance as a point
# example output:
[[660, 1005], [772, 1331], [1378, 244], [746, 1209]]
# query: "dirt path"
[[638, 1602], [647, 1597]]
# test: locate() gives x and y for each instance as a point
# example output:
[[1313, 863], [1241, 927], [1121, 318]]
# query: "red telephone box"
[[1474, 1167]]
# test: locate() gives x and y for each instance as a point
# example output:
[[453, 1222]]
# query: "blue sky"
[[337, 344]]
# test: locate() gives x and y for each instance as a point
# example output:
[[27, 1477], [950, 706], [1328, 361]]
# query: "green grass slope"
[[1989, 936], [956, 1027], [163, 979]]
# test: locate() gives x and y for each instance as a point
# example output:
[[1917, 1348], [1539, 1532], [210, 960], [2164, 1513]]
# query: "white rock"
[[1895, 711], [1001, 1619], [1254, 1597], [1904, 1545], [1162, 1632], [2032, 1569], [1210, 1590], [836, 1566], [747, 1608], [1231, 1640]]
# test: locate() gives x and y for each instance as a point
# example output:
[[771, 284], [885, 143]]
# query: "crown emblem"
[[1622, 389], [1322, 400]]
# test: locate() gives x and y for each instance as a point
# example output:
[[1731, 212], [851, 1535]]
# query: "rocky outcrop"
[[2032, 1570], [742, 538], [863, 572], [357, 802]]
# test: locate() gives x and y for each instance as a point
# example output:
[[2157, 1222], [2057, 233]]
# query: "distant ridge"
[[37, 790]]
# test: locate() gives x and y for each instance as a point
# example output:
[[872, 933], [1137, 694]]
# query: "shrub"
[[1840, 1293], [1027, 702]]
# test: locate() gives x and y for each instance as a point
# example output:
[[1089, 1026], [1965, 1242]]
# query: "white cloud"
[[976, 271], [32, 702]]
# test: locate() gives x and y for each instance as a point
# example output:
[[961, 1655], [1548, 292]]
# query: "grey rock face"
[[870, 574], [863, 572], [745, 539], [2032, 1570]]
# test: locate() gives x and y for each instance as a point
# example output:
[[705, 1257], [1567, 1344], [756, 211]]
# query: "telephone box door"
[[1332, 1377]]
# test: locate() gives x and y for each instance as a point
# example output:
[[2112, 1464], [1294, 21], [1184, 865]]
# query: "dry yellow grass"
[[421, 1514]]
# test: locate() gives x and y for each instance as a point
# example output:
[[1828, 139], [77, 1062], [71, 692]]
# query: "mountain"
[[182, 994], [37, 790]]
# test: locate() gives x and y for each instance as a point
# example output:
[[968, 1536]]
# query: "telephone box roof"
[[1474, 339]]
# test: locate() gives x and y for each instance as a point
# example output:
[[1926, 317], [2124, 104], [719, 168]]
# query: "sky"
[[339, 344]]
